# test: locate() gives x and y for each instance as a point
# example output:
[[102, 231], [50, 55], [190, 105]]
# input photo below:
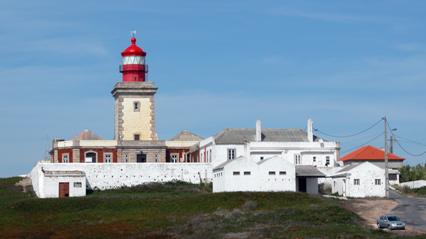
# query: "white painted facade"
[[47, 186], [319, 154], [248, 174], [109, 176], [363, 180]]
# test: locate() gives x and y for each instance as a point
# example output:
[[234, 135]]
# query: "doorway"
[[64, 190], [302, 184], [90, 157], [141, 158]]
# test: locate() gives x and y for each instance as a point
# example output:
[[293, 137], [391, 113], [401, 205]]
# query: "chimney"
[[310, 130], [258, 131]]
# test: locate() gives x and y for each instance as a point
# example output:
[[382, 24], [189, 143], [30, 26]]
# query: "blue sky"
[[218, 64]]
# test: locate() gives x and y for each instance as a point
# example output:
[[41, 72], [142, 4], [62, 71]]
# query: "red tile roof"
[[369, 152]]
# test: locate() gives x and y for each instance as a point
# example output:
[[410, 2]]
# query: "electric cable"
[[350, 135], [359, 146], [403, 148]]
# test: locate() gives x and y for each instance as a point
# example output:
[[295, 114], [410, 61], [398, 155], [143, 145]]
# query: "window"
[[377, 181], [156, 158], [356, 181], [271, 172], [235, 173], [231, 154], [173, 158], [65, 158], [314, 159], [297, 159], [108, 157], [247, 172], [283, 172], [136, 106], [77, 184], [126, 158], [210, 156], [327, 160], [393, 177], [136, 136]]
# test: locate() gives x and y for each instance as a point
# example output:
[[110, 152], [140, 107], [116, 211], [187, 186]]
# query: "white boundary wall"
[[414, 184], [107, 176]]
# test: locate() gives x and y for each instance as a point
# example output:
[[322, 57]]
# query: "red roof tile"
[[369, 152]]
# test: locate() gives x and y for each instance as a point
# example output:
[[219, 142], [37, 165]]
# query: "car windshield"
[[393, 218]]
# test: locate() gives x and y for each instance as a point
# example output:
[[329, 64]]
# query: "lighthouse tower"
[[134, 98]]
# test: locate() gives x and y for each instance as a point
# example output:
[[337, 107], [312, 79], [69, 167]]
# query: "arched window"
[[91, 157]]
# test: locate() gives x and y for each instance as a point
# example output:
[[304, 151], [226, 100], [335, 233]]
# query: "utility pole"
[[386, 157]]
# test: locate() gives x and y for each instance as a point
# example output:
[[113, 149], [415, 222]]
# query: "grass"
[[176, 210]]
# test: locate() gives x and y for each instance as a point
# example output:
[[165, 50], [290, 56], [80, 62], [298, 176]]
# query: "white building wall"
[[366, 173], [36, 180], [339, 186], [277, 182], [51, 186], [241, 182], [108, 176], [220, 152], [259, 179]]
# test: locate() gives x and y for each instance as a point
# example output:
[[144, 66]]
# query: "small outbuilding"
[[246, 174], [359, 181], [58, 183]]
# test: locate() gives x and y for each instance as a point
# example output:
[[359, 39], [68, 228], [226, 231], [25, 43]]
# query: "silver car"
[[391, 222]]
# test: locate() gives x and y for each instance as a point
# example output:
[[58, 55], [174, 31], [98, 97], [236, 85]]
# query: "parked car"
[[391, 222]]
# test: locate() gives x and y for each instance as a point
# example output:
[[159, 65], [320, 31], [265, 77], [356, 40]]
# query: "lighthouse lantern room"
[[133, 66]]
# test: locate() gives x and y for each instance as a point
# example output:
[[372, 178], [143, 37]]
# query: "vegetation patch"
[[176, 210]]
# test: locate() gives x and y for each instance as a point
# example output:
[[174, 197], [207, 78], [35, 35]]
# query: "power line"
[[368, 142], [404, 149], [349, 135], [409, 153], [410, 140]]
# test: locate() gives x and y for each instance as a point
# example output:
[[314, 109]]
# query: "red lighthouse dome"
[[133, 66], [133, 49]]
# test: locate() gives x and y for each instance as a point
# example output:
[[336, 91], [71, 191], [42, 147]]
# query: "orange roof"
[[369, 152]]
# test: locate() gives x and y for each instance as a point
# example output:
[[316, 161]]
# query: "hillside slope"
[[176, 210]]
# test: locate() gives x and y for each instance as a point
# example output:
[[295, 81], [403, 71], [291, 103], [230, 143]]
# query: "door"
[[64, 190], [141, 158], [302, 184]]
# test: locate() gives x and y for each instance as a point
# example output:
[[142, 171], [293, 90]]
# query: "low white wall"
[[106, 176], [414, 184]]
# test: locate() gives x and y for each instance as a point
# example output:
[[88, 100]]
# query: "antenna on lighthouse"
[[133, 33]]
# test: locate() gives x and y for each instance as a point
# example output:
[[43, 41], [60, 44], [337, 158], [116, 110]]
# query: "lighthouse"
[[134, 98]]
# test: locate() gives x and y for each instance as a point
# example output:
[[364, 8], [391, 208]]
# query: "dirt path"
[[370, 209]]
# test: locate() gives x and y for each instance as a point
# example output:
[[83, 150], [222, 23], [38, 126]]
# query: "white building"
[[248, 174], [359, 181], [271, 174], [58, 183], [295, 145]]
